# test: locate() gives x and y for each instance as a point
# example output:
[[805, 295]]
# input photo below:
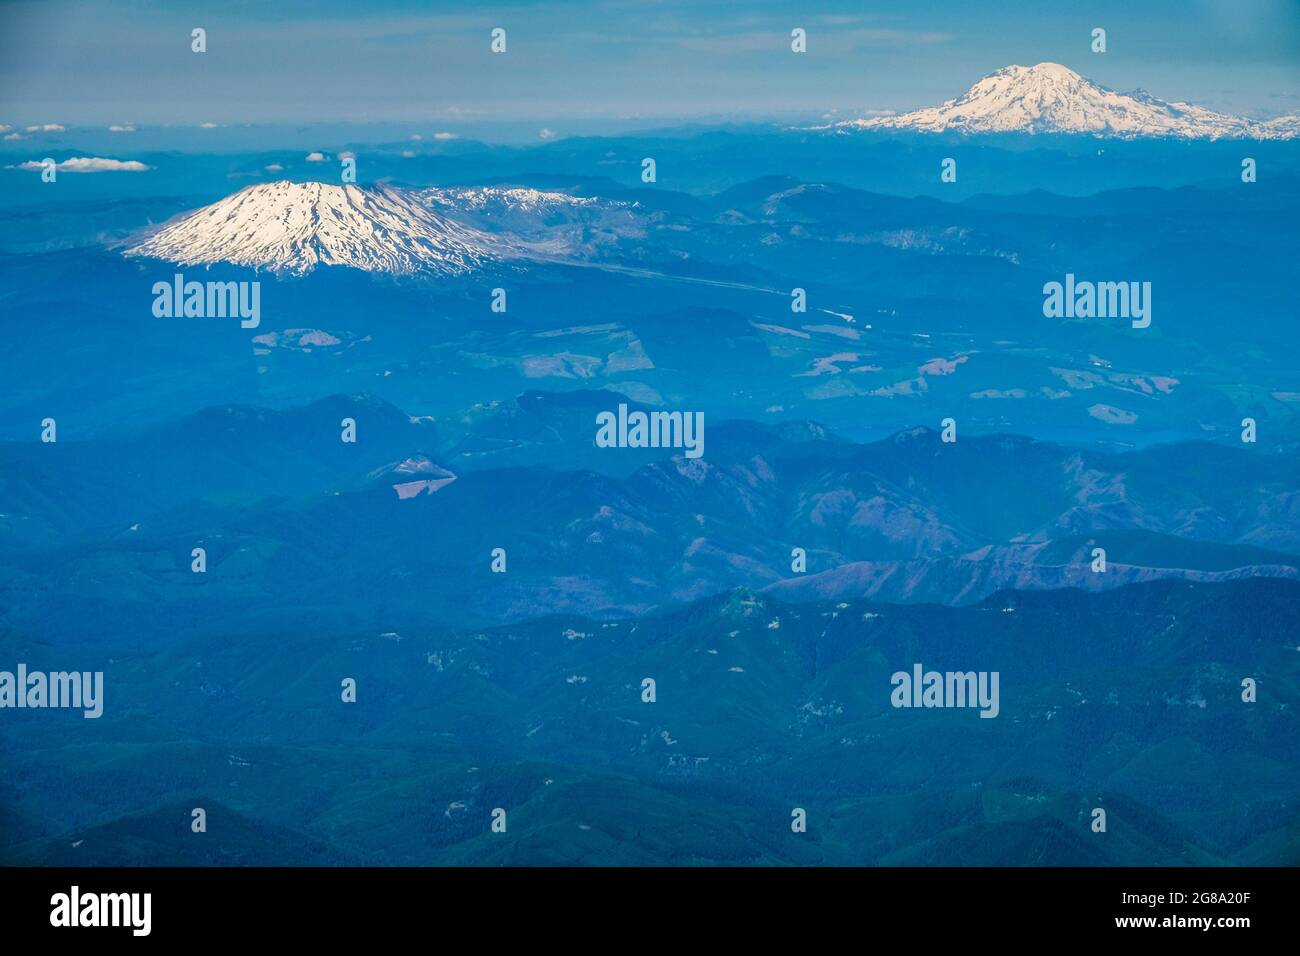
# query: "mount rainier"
[[1050, 98]]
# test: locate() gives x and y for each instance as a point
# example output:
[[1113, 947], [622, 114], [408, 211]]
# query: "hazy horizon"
[[610, 61]]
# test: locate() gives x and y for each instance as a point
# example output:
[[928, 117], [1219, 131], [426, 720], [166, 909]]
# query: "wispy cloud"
[[89, 164]]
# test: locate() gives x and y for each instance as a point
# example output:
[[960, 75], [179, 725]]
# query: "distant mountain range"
[[1051, 98], [400, 526]]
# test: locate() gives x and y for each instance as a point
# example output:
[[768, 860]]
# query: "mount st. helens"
[[291, 228], [1051, 98]]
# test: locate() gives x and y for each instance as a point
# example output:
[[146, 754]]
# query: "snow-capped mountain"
[[287, 227], [1050, 98]]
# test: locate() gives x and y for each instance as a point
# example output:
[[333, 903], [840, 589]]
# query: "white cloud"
[[347, 155], [122, 128], [417, 137], [545, 133], [14, 136], [95, 164], [47, 128], [89, 164], [408, 153], [445, 136], [207, 126], [315, 157], [4, 128], [275, 168]]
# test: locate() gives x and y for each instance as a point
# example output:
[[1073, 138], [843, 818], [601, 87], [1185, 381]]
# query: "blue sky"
[[291, 62]]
